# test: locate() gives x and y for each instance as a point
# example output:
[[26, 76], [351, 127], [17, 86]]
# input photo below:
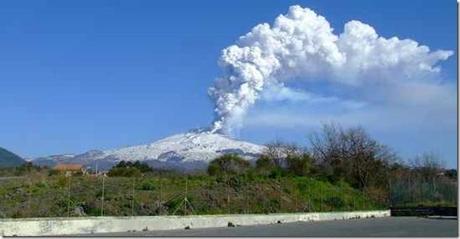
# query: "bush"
[[53, 172], [148, 185], [299, 165], [129, 169], [265, 163], [228, 164], [42, 184], [142, 167], [124, 172], [451, 173], [335, 202], [277, 173]]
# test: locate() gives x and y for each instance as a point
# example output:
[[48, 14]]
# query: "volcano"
[[186, 152]]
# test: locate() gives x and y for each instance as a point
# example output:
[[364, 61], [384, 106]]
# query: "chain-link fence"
[[416, 191], [61, 196]]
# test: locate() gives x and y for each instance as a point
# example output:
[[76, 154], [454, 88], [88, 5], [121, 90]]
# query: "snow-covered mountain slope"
[[192, 150]]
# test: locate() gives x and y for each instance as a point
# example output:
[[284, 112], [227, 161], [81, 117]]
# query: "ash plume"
[[301, 46]]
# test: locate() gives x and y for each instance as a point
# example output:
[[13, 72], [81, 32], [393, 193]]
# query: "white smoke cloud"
[[301, 46]]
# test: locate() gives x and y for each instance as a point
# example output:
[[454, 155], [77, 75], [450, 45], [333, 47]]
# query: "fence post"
[[186, 194], [211, 186], [366, 200], [29, 197], [280, 196], [309, 200], [264, 207], [411, 191], [160, 203], [102, 198], [354, 205], [132, 198], [389, 192], [422, 184], [246, 194], [68, 195], [296, 203], [320, 197], [227, 187]]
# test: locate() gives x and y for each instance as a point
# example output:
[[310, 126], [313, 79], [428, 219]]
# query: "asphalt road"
[[373, 227]]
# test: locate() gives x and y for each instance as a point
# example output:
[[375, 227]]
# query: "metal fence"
[[60, 196], [416, 191]]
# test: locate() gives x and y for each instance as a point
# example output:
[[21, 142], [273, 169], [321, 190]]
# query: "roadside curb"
[[90, 225]]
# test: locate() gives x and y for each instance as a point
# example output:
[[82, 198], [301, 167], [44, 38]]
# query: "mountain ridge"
[[187, 151], [10, 159]]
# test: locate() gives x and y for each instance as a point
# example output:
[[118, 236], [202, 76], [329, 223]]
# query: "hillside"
[[154, 195], [9, 159]]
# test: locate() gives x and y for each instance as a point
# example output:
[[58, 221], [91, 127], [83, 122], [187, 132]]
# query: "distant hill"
[[9, 159]]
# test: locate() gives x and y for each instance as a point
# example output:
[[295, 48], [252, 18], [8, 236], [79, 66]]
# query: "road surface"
[[372, 227]]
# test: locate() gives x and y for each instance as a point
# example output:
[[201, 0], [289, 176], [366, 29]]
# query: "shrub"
[[277, 173], [142, 167], [335, 202], [235, 182], [228, 164], [124, 172], [451, 173], [148, 185], [42, 184], [129, 169], [299, 165], [53, 172], [265, 163]]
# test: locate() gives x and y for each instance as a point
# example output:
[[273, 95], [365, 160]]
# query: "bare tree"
[[278, 152], [427, 165], [286, 157], [352, 155]]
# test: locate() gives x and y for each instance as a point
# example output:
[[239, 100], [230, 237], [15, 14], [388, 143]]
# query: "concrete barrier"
[[88, 225]]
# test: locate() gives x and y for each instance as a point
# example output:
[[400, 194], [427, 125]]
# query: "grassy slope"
[[9, 159], [48, 196]]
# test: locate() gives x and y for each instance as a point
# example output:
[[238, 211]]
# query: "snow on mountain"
[[202, 146], [187, 151]]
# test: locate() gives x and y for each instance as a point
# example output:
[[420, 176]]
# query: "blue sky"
[[80, 75]]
